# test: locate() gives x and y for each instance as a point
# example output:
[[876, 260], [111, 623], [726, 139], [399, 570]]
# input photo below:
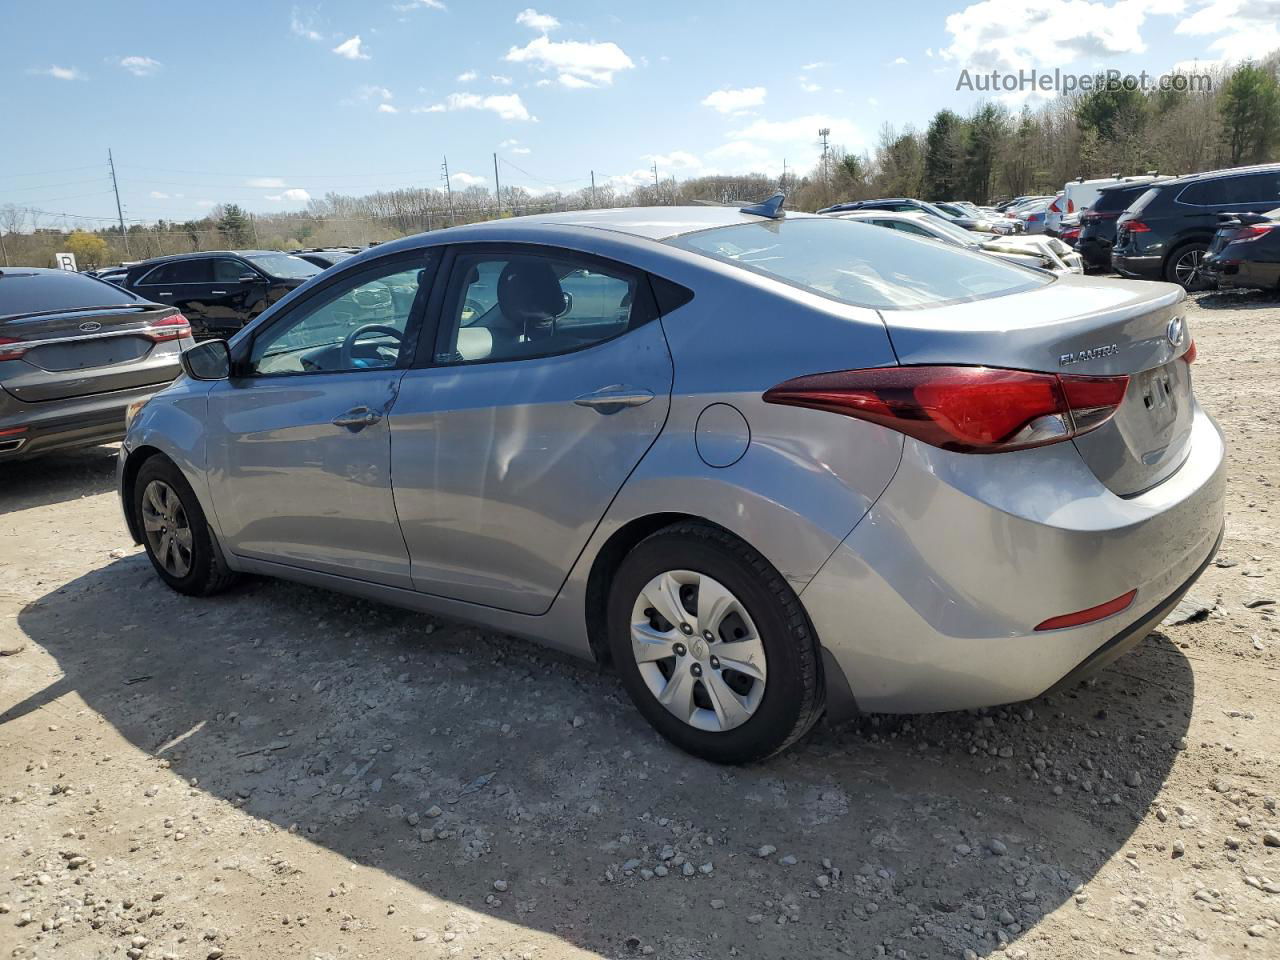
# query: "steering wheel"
[[348, 345]]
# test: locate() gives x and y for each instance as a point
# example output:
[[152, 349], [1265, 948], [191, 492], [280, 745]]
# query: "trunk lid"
[[1083, 327], [72, 353]]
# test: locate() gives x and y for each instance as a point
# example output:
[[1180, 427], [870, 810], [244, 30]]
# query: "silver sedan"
[[767, 465]]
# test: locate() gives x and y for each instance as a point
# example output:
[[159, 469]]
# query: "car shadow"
[[1224, 299], [346, 719], [57, 477]]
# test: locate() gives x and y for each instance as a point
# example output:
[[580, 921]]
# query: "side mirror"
[[210, 360], [251, 278]]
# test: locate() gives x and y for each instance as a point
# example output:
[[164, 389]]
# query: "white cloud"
[[675, 160], [59, 73], [294, 195], [351, 49], [763, 144], [419, 4], [467, 179], [1012, 34], [899, 62], [808, 87], [873, 101], [514, 146], [817, 64], [534, 20], [373, 92], [302, 28], [467, 76], [500, 79], [1249, 26], [734, 101], [510, 142], [508, 106], [139, 66], [521, 151], [205, 203], [576, 63], [265, 182], [387, 108], [158, 195]]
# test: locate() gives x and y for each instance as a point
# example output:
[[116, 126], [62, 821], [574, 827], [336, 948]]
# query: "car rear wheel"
[[175, 533], [713, 645], [1185, 267]]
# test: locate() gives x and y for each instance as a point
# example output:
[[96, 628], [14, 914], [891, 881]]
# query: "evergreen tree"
[[1250, 108]]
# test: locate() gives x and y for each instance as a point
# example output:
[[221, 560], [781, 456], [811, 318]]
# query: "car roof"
[[204, 253], [1219, 174], [919, 216], [653, 223]]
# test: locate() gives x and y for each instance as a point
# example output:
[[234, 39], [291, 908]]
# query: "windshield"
[[284, 265], [1141, 203], [860, 264], [1113, 201]]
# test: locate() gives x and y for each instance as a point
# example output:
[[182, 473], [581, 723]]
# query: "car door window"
[[514, 305], [914, 230], [229, 271], [357, 324], [196, 270]]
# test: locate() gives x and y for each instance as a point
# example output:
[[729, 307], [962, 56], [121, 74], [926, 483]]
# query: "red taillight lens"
[[12, 431], [1071, 206], [1081, 617], [1053, 207], [173, 327], [1135, 226], [966, 409], [1252, 232], [12, 348], [1191, 354]]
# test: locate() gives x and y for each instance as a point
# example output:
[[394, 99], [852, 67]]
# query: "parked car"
[[1044, 253], [1098, 222], [1033, 216], [1164, 233], [75, 352], [219, 291], [969, 218], [325, 257], [1053, 215], [903, 204], [686, 499], [114, 275], [1245, 252]]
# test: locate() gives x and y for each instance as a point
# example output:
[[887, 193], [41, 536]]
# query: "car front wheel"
[[713, 645], [1186, 267], [175, 533]]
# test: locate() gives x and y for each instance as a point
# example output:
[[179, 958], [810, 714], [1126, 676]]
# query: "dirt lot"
[[281, 772]]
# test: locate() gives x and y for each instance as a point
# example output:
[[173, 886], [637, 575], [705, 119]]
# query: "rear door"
[[230, 297], [509, 446], [184, 284]]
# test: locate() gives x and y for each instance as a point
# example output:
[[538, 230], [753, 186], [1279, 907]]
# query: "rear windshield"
[[861, 264], [24, 292], [1113, 201], [1141, 203], [284, 265]]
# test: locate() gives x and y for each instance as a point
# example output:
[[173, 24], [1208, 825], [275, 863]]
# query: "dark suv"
[[1164, 233], [1098, 221], [221, 290], [75, 353]]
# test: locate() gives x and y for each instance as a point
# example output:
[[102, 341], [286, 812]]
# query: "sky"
[[269, 104]]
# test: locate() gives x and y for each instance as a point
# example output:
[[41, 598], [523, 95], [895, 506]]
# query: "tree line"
[[992, 153]]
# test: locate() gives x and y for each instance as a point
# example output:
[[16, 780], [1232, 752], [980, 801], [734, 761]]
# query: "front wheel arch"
[[130, 476]]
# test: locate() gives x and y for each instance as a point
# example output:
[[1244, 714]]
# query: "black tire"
[[793, 696], [1195, 249], [208, 573]]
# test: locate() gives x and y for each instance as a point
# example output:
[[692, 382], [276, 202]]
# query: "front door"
[[299, 445], [547, 385]]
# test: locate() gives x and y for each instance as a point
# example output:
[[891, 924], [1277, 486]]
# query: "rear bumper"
[[63, 424], [1096, 253], [1138, 268], [1243, 275], [932, 602]]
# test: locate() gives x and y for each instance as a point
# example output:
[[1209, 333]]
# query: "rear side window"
[[1208, 193], [26, 292], [1113, 201], [861, 264], [1143, 201], [197, 270], [1255, 188]]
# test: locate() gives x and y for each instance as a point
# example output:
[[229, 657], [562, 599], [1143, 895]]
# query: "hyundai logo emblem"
[[90, 326], [1177, 330]]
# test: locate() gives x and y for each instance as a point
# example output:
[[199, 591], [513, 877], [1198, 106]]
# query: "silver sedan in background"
[[766, 465]]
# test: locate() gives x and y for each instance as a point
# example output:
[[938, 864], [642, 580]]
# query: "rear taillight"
[[1252, 232], [12, 431], [12, 348], [1071, 205], [1135, 226], [1053, 207], [173, 327], [1191, 354], [966, 409]]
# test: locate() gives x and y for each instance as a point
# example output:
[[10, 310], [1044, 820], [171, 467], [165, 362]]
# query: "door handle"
[[215, 292], [614, 398], [166, 293], [357, 418]]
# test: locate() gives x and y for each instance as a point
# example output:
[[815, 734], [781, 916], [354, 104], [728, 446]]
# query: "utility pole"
[[448, 187], [119, 210], [825, 132], [3, 252], [253, 226], [783, 183], [593, 189], [655, 182], [497, 185]]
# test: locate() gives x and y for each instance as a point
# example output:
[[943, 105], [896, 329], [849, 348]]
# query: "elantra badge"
[[1089, 353]]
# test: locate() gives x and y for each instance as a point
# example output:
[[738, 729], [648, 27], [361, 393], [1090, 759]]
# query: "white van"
[[1078, 195]]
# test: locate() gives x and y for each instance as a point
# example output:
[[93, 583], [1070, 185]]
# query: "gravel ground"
[[282, 772]]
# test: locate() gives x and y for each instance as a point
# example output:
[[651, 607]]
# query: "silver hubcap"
[[1187, 269], [698, 650], [165, 524]]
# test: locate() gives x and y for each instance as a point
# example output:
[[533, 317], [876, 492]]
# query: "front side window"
[[859, 264], [284, 265], [229, 271], [359, 324], [515, 305]]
